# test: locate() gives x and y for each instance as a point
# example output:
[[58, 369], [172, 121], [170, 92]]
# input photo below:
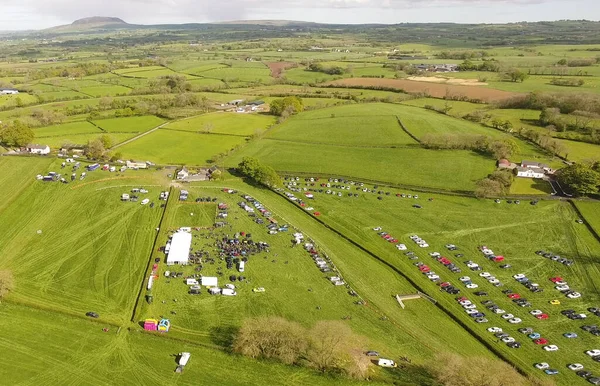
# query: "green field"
[[225, 123], [525, 186], [129, 124], [176, 147], [591, 212], [67, 129], [194, 215]]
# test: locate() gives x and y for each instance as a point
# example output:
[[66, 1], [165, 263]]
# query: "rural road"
[[139, 136]]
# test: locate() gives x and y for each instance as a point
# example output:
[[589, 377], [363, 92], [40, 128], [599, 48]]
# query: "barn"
[[179, 251]]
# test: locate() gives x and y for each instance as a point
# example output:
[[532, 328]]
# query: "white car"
[[376, 229], [309, 208], [515, 320], [536, 312], [470, 306], [561, 282], [562, 287], [433, 277], [551, 347], [519, 276], [472, 286], [472, 265], [575, 366], [464, 278], [494, 329], [574, 295], [425, 245], [485, 274], [145, 201], [542, 366], [414, 237], [471, 312], [499, 311], [508, 339], [450, 246], [465, 302], [593, 353], [494, 281], [508, 316], [435, 254], [401, 247]]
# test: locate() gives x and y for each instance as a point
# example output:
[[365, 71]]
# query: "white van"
[[386, 363], [241, 266], [228, 292]]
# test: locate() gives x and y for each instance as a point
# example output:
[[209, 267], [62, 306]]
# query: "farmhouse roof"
[[504, 161], [532, 164], [37, 147]]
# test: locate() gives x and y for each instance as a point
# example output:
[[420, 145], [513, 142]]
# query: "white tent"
[[209, 281], [180, 248]]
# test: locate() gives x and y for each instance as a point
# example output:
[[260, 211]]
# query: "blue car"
[[535, 335], [478, 315], [551, 371], [570, 335]]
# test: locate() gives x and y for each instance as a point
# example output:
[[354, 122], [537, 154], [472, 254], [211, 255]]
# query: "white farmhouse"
[[38, 149], [8, 91], [183, 174], [530, 172]]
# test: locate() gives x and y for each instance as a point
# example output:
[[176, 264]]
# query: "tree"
[[489, 188], [6, 283], [582, 179], [16, 134], [290, 105], [515, 75], [453, 370], [94, 149], [106, 141], [328, 347]]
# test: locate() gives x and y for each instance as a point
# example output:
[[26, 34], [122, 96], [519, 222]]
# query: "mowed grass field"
[[176, 147], [55, 349], [287, 274], [225, 123], [469, 223], [129, 124], [527, 186], [76, 247], [591, 212]]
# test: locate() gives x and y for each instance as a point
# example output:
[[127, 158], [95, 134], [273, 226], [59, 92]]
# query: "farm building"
[[8, 91], [38, 149], [136, 165], [183, 174], [179, 251], [536, 165], [530, 172]]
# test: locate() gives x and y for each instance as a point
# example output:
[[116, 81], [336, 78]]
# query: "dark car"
[[567, 312], [514, 345], [583, 373], [480, 293], [92, 314], [505, 266], [594, 380], [372, 354]]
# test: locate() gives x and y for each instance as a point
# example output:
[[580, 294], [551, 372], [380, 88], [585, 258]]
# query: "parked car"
[[575, 366], [542, 366], [551, 347], [92, 314]]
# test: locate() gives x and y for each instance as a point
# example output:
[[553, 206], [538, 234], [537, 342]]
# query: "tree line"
[[259, 173], [496, 148]]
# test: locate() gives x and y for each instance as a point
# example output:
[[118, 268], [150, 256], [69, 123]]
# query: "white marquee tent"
[[180, 248]]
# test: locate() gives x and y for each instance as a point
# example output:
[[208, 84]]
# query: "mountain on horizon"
[[98, 20]]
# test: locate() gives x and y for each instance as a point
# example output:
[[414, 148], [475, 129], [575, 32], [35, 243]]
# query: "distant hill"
[[98, 20], [90, 24]]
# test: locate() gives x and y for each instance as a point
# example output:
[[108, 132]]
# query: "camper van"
[[241, 266], [386, 363], [228, 292]]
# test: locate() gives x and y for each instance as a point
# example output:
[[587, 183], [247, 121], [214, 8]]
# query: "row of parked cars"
[[553, 257]]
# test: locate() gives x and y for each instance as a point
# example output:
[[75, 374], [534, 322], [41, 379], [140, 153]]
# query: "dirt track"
[[435, 90]]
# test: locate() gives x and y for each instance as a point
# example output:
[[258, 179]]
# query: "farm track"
[[139, 136]]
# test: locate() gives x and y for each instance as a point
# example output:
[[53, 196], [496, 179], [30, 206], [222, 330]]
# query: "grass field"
[[82, 260], [129, 124], [591, 212], [177, 147], [525, 186], [67, 129], [225, 123], [469, 223], [82, 139]]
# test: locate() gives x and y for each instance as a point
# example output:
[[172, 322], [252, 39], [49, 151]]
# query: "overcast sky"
[[37, 14]]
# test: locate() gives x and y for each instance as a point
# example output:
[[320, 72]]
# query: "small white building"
[[8, 91], [183, 174], [179, 251], [530, 172], [38, 149], [136, 165]]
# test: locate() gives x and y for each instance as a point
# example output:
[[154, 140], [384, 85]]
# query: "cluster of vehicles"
[[554, 257]]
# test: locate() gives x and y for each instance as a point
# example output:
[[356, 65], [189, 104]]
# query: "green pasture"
[[242, 74], [105, 90], [176, 147], [591, 213], [129, 124], [82, 139], [92, 247], [9, 101], [469, 223], [449, 170], [193, 215], [384, 131], [302, 75], [225, 123], [525, 186], [66, 129], [581, 151]]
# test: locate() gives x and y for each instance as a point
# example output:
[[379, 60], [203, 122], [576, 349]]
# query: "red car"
[[461, 299], [542, 316], [555, 279], [444, 284], [514, 296], [424, 268], [540, 341]]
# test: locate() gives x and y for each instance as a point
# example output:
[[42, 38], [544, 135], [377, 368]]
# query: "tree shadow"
[[409, 375], [224, 336]]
